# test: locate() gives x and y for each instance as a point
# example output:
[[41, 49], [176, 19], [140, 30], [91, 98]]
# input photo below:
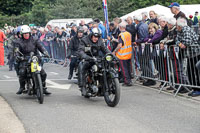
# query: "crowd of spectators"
[[152, 31]]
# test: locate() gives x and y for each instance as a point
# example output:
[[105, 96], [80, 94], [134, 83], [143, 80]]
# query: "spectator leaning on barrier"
[[177, 63], [124, 53], [149, 67], [163, 25], [172, 33], [141, 34], [185, 38], [154, 33], [141, 29]]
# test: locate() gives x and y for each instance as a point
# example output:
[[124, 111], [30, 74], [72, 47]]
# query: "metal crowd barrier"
[[57, 50], [196, 29], [171, 65]]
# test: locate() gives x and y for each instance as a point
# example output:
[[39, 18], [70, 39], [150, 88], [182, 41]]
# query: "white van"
[[62, 22]]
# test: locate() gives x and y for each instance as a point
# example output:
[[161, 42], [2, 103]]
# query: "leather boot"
[[22, 87], [83, 90], [45, 89]]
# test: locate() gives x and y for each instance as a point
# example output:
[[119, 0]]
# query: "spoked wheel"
[[112, 95], [39, 89]]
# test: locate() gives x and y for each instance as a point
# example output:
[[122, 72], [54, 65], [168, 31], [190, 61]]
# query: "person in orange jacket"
[[2, 38], [124, 53]]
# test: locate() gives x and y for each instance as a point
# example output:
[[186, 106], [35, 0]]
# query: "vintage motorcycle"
[[33, 78], [102, 79]]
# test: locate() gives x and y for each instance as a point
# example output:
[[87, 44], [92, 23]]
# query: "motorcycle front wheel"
[[112, 94], [39, 89]]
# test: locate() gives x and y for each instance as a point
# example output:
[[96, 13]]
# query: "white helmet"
[[96, 32], [25, 29]]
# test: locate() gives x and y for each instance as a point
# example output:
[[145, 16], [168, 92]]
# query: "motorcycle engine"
[[94, 68]]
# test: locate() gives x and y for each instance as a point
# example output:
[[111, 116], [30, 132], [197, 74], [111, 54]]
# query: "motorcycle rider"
[[72, 50], [11, 47], [27, 44], [90, 46], [14, 43]]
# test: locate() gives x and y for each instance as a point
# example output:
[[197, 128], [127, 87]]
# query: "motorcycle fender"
[[114, 75]]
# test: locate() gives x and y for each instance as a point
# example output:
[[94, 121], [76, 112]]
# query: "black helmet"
[[96, 32], [80, 29]]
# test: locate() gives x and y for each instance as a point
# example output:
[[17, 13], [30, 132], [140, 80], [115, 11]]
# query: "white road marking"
[[7, 77], [58, 86], [1, 80], [9, 80], [54, 73]]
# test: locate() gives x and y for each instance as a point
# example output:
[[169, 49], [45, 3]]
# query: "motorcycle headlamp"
[[109, 58], [34, 59]]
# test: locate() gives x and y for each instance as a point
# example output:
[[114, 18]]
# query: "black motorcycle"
[[33, 78], [102, 80]]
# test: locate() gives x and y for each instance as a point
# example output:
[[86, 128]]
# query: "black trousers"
[[193, 72], [73, 65], [83, 67], [126, 69], [11, 61], [23, 75], [161, 64]]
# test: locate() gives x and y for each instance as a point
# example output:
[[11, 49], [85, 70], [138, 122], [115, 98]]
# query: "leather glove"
[[19, 58], [94, 59], [46, 54]]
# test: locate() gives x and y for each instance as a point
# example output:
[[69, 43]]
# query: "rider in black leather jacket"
[[72, 50], [90, 46], [26, 45]]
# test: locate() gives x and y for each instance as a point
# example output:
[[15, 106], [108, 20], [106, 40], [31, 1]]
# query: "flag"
[[105, 9]]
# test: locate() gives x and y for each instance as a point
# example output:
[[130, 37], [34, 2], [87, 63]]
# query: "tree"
[[41, 11], [15, 7]]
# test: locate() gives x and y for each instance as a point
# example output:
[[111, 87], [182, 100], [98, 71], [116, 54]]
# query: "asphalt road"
[[141, 110]]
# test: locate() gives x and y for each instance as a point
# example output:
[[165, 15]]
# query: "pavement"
[[9, 122], [140, 110]]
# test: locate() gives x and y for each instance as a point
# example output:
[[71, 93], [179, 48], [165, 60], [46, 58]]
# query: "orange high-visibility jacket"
[[125, 52], [2, 36]]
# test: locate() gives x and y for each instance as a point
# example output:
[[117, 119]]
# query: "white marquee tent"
[[162, 10], [190, 9]]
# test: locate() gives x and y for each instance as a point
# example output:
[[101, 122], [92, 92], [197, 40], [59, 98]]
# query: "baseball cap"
[[174, 4]]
